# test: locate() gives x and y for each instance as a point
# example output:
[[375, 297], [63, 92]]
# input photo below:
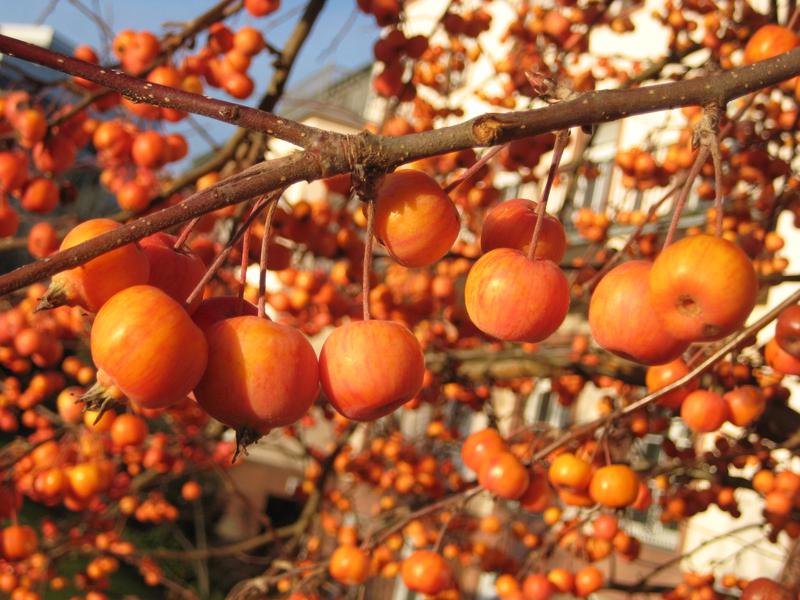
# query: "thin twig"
[[470, 173], [680, 202], [384, 153], [184, 234], [562, 137], [367, 266], [733, 342], [262, 275], [228, 248]]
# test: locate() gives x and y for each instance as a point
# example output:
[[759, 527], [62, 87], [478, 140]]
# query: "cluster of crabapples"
[[574, 478], [223, 62], [80, 461], [129, 156], [131, 284]]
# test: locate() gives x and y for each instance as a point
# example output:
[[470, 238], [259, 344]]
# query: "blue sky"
[[341, 37]]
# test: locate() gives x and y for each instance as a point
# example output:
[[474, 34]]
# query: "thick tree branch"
[[599, 107], [377, 154]]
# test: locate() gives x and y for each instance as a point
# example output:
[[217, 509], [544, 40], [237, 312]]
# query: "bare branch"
[[375, 153]]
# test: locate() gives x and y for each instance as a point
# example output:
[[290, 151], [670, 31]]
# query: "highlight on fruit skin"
[[702, 288], [91, 284], [349, 565], [146, 348], [787, 330], [365, 393], [510, 224], [769, 41], [659, 376], [427, 572], [260, 375], [414, 218], [513, 298], [622, 319], [614, 486]]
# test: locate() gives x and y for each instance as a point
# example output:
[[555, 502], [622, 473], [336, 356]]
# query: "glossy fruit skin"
[[128, 430], [515, 299], [769, 41], [562, 579], [537, 587], [41, 196], [176, 272], [69, 405], [261, 8], [148, 346], [107, 274], [248, 40], [659, 376], [414, 219], [588, 580], [623, 322], [99, 423], [702, 288], [614, 486], [367, 394], [133, 196], [704, 411], [427, 572], [787, 330], [510, 224], [18, 542], [504, 475], [217, 308], [605, 527], [481, 445], [260, 374], [765, 589], [779, 360], [42, 240], [745, 404], [538, 495], [569, 471], [349, 565]]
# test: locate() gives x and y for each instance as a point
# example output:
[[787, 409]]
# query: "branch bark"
[[371, 153]]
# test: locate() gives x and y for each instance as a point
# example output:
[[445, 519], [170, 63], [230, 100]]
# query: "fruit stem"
[[368, 257], [615, 258], [470, 173], [680, 202], [243, 268], [262, 275], [229, 246], [562, 137], [718, 214], [792, 23], [184, 234]]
